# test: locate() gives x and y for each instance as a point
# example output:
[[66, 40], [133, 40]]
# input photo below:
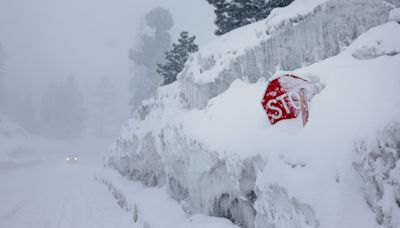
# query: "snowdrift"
[[305, 32], [14, 153], [207, 139]]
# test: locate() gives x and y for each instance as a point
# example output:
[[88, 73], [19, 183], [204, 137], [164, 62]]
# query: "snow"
[[382, 40], [202, 152], [358, 100], [211, 159], [39, 189], [152, 206], [231, 106], [291, 13], [50, 192], [379, 167], [201, 221], [220, 52], [394, 15], [9, 129], [308, 33]]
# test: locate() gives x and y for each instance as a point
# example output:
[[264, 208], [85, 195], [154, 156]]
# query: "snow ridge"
[[318, 30], [208, 141]]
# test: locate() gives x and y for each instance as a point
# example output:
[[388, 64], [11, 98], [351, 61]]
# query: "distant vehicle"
[[72, 158]]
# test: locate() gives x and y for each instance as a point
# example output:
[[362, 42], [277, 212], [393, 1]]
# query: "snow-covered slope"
[[300, 34], [226, 160], [13, 152]]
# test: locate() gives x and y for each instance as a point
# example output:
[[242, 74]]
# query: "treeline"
[[158, 62], [232, 14], [63, 111]]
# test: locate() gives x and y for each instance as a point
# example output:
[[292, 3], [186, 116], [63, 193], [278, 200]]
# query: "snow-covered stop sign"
[[286, 97]]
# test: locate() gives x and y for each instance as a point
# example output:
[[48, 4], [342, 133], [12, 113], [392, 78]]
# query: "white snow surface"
[[236, 42], [382, 40], [292, 37], [292, 12], [40, 189], [308, 179], [152, 206], [201, 221], [394, 15]]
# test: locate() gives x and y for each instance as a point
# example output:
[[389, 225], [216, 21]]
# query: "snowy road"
[[38, 189], [54, 194]]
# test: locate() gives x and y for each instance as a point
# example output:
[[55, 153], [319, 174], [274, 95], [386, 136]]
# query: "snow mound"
[[149, 207], [201, 221], [153, 207], [382, 40], [394, 15], [227, 160], [298, 35], [13, 152], [219, 52], [292, 13], [378, 164], [10, 129]]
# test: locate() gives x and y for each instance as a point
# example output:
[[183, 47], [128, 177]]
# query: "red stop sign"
[[286, 97]]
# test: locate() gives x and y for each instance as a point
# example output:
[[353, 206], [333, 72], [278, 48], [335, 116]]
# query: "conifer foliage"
[[232, 14], [148, 52], [176, 58]]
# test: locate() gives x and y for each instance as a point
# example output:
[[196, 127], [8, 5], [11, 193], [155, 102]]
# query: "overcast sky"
[[46, 40]]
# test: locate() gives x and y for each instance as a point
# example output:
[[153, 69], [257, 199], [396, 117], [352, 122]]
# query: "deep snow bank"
[[153, 207], [226, 160], [378, 164], [298, 35], [17, 147]]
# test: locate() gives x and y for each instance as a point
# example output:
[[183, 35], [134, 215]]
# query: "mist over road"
[[52, 193]]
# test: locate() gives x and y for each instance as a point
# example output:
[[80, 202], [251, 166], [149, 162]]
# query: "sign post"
[[286, 97], [304, 106]]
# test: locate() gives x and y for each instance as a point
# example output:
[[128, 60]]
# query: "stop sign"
[[286, 97]]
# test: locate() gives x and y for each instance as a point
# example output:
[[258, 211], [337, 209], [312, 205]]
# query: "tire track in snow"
[[61, 213], [21, 204]]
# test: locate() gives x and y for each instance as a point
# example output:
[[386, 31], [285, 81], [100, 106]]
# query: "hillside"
[[207, 140]]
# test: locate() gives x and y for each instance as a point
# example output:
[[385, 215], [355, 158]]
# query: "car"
[[72, 158]]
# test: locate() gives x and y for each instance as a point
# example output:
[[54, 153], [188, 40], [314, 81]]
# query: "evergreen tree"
[[26, 114], [148, 53], [63, 113], [232, 14], [176, 58], [222, 20], [104, 98]]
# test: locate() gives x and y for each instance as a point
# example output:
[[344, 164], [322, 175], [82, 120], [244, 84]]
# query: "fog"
[[65, 92], [45, 41]]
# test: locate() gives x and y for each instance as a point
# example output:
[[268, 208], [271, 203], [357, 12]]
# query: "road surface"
[[49, 193]]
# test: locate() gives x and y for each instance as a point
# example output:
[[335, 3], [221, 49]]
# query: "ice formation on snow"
[[207, 139], [319, 29]]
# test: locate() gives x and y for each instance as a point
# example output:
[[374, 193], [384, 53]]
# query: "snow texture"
[[208, 141], [378, 164], [300, 34], [394, 15], [378, 41]]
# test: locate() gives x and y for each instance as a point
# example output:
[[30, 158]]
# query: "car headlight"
[[67, 159], [76, 158]]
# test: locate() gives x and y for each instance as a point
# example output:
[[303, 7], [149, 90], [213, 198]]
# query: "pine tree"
[[221, 11], [63, 112], [147, 53], [104, 98], [176, 58], [232, 14]]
